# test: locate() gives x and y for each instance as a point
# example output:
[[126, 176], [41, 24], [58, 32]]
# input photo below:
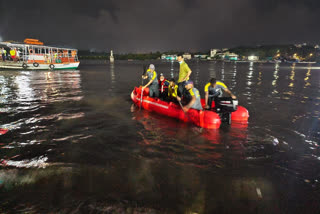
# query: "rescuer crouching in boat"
[[172, 91], [192, 97], [213, 91], [224, 106]]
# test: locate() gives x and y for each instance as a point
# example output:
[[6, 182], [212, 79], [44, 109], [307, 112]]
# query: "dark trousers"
[[210, 99], [181, 88], [3, 57], [154, 90], [163, 95]]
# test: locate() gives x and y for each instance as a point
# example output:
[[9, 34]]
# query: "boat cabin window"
[[44, 50]]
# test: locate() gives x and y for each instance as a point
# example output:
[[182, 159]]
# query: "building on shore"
[[213, 52], [227, 56], [231, 56], [253, 58], [170, 57], [300, 45], [187, 56], [201, 56]]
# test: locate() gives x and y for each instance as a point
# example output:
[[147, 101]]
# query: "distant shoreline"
[[105, 61]]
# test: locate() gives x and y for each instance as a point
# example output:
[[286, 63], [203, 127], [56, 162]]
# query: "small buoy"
[[3, 131]]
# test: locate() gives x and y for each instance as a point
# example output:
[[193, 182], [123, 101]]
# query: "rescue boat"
[[203, 118]]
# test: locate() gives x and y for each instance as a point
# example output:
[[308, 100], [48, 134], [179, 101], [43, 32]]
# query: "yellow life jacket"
[[12, 52]]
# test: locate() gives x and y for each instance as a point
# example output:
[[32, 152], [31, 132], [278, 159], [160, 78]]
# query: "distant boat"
[[33, 55]]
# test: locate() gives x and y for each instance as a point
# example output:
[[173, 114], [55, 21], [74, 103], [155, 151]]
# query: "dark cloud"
[[190, 4], [273, 4], [149, 25], [93, 8]]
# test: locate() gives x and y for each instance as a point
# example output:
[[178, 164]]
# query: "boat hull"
[[202, 118], [30, 66]]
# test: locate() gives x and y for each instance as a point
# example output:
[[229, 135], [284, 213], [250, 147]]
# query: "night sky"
[[148, 25]]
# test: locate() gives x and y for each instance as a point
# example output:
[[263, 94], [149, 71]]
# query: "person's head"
[[161, 77], [180, 58], [172, 82], [151, 67], [189, 84], [213, 82]]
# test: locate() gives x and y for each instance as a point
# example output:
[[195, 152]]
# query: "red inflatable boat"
[[203, 118]]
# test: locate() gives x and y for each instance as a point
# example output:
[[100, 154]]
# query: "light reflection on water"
[[78, 125], [212, 71], [222, 71], [306, 79], [27, 114]]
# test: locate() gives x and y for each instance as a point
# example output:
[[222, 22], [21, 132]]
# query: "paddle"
[[144, 72], [185, 113], [182, 107], [141, 99]]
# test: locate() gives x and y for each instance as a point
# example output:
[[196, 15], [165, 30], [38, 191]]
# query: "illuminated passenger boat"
[[33, 55], [203, 118]]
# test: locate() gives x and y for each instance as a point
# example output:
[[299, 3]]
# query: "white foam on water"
[[39, 162]]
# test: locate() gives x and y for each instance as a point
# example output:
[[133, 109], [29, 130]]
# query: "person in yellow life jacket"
[[214, 89], [184, 74], [194, 100], [172, 90], [13, 54], [151, 74], [55, 56]]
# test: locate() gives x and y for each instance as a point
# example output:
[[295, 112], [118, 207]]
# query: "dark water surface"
[[77, 145]]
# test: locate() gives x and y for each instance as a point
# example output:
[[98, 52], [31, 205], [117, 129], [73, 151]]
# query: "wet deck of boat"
[[10, 64]]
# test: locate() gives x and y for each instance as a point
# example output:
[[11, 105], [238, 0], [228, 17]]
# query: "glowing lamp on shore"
[[252, 58]]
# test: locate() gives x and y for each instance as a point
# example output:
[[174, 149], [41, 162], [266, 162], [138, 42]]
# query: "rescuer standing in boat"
[[195, 100], [184, 74], [151, 74], [214, 89]]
